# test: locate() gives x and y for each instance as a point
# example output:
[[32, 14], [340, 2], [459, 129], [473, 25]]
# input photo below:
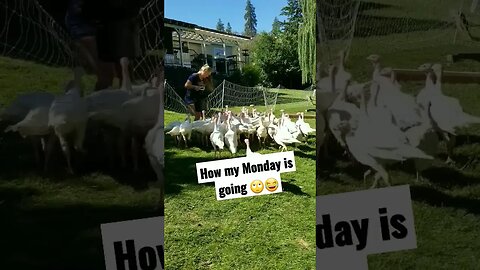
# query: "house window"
[[218, 52]]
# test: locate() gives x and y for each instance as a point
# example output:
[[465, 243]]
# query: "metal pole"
[[205, 52], [223, 92], [181, 47], [264, 97], [239, 52], [225, 57], [204, 48]]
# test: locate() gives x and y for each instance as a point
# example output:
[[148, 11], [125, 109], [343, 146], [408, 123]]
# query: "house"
[[190, 45]]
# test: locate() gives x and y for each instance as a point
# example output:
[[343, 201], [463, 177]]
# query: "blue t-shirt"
[[195, 79], [74, 13]]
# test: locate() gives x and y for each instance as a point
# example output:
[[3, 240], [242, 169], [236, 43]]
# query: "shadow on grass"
[[439, 199], [10, 196], [180, 171], [17, 160], [305, 155], [292, 188], [284, 98], [448, 177], [58, 237], [467, 139]]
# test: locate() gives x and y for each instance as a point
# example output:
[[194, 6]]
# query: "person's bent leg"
[[191, 108], [88, 50], [105, 75], [118, 71], [200, 106], [105, 57], [122, 39]]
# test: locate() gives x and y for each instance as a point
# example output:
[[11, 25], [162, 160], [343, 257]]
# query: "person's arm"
[[189, 85]]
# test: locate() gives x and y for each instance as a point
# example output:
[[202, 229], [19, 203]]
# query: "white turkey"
[[139, 115], [249, 151], [377, 144], [262, 133], [23, 104], [34, 126], [68, 118], [175, 132], [447, 113], [186, 130], [154, 144], [231, 140], [283, 137], [217, 138], [106, 115]]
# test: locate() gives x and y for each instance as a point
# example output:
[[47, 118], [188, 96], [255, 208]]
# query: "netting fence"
[[383, 26], [29, 32], [226, 94]]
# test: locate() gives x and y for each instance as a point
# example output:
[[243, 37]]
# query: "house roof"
[[195, 32]]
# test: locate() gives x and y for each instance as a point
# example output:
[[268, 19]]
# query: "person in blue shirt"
[[105, 31], [198, 86], [118, 32]]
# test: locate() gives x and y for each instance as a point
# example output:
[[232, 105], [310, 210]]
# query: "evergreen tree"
[[276, 26], [229, 28], [250, 20], [220, 25], [293, 12]]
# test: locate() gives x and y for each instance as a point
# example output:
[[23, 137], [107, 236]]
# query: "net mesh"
[[151, 36], [29, 32], [234, 95], [385, 26], [173, 102], [310, 94], [226, 94]]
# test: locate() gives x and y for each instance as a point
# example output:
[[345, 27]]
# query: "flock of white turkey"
[[225, 130], [127, 118], [378, 124]]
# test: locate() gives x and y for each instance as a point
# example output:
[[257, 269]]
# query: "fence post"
[[223, 93], [265, 97]]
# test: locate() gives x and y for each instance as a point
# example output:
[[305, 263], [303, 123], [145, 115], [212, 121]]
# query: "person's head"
[[205, 71]]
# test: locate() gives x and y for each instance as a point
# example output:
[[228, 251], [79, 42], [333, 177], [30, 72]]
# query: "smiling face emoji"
[[256, 186], [271, 184]]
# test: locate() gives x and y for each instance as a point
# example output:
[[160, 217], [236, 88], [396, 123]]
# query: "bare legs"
[[105, 71]]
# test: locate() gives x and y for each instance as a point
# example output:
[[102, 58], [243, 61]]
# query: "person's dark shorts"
[[78, 28], [200, 105], [188, 100], [117, 39]]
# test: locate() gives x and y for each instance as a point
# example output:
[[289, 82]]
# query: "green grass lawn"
[[52, 221], [262, 232], [447, 207]]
